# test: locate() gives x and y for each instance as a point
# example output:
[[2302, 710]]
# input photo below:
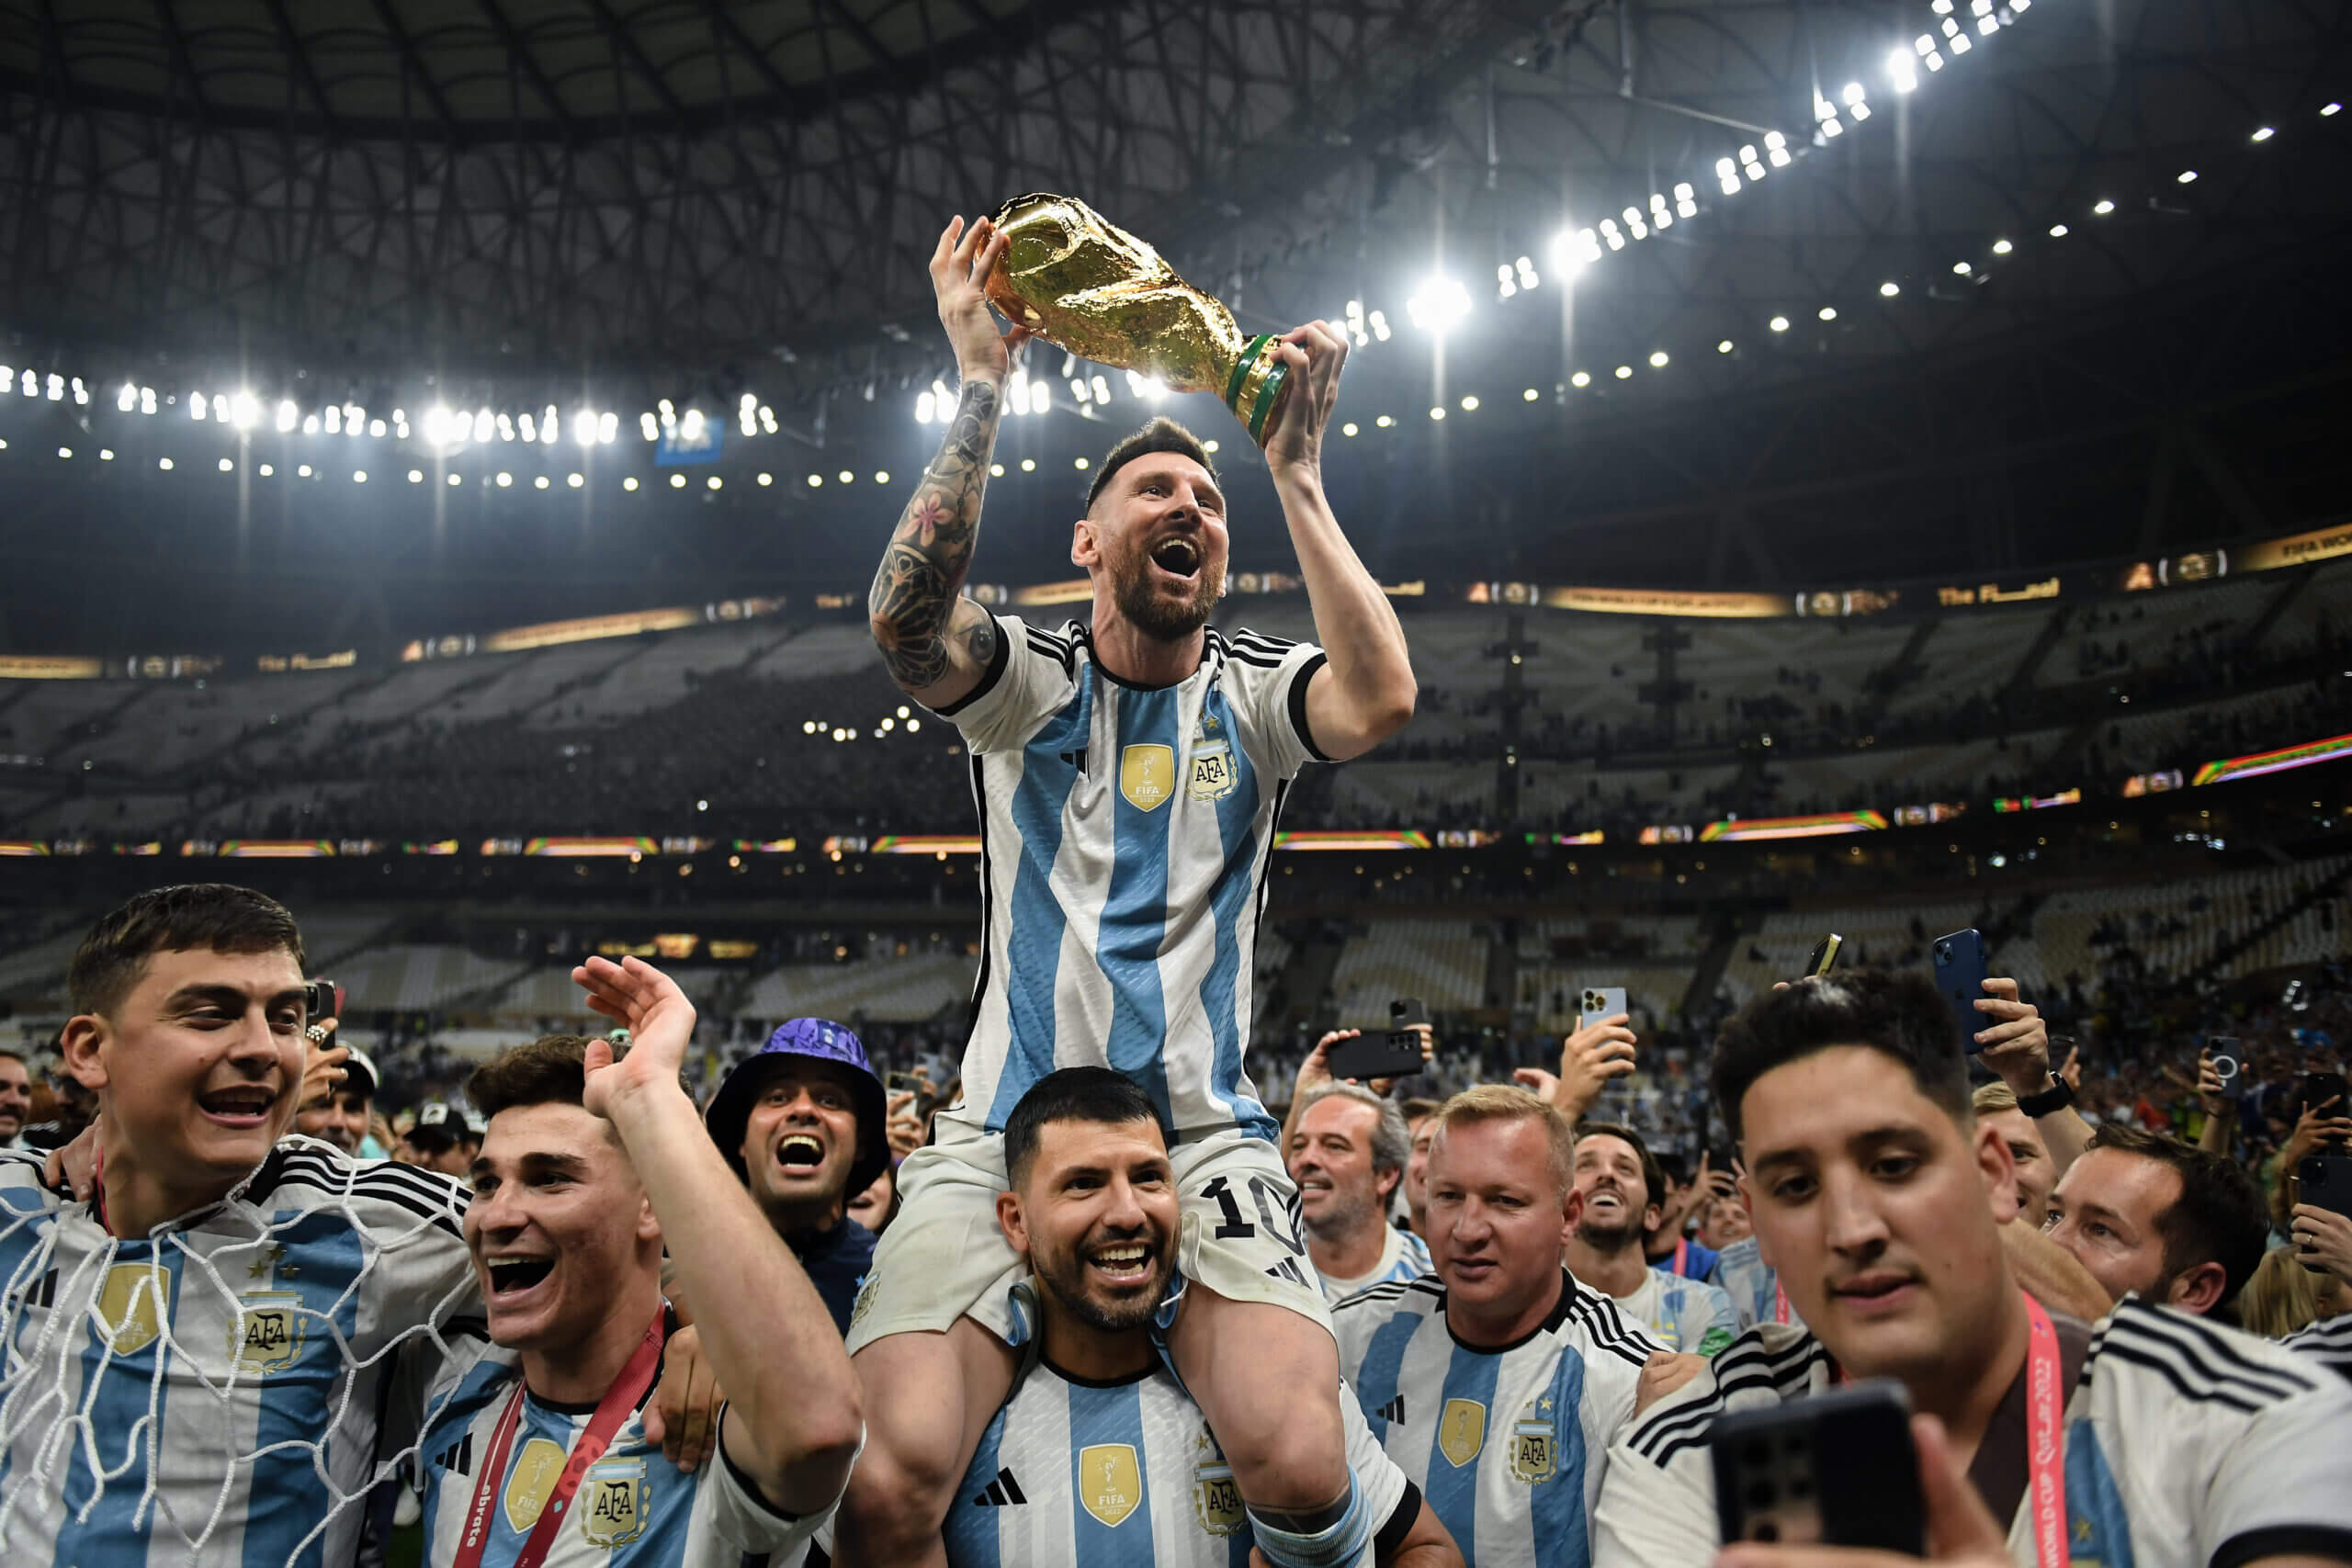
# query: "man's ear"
[[2198, 1290], [1999, 1168], [1571, 1211], [1009, 1219], [1386, 1182], [1650, 1218], [79, 1046], [1085, 549], [649, 1225]]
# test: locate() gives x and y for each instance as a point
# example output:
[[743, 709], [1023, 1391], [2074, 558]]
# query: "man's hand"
[[2015, 1040], [1589, 1058], [2071, 1073], [901, 1125], [1315, 1071], [2212, 1096], [1961, 1530], [1428, 1054], [959, 270], [2313, 1128], [1314, 354], [322, 1069], [74, 1166], [1665, 1372], [683, 1416], [660, 1022], [1704, 1183], [2324, 1240]]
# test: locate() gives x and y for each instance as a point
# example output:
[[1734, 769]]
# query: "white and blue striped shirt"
[[1125, 836], [1742, 1274], [1403, 1255], [1072, 1472], [1507, 1445], [252, 1366], [1682, 1314]]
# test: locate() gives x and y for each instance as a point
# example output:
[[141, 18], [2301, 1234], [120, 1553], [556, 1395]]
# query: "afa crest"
[[130, 1307], [1216, 1500], [1461, 1431], [269, 1333], [1535, 1451], [1110, 1481], [1148, 775], [1210, 773], [612, 1502]]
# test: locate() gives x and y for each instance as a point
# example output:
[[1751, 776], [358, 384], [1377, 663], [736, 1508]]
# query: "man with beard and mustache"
[[1100, 1456], [2154, 1439], [802, 1123], [16, 1097], [1128, 769], [1348, 1151], [1616, 1174], [339, 1115]]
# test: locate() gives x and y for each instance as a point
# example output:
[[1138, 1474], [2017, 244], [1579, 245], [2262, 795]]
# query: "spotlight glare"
[[2187, 177], [1438, 304], [2058, 230], [1889, 289], [1658, 360], [1828, 312], [2104, 207], [1349, 428], [1529, 395], [2002, 247], [1582, 378], [1470, 405], [1625, 372], [416, 476], [1779, 324], [2265, 134], [1725, 347]]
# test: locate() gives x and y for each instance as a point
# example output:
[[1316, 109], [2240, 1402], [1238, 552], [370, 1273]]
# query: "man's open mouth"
[[799, 1150], [1130, 1263], [1177, 557], [245, 1104], [511, 1275]]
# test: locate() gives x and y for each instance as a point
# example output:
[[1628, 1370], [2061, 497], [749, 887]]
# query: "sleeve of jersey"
[[1380, 1482], [1027, 681], [1268, 681], [2282, 1482], [1657, 1496], [1716, 1321], [732, 1520]]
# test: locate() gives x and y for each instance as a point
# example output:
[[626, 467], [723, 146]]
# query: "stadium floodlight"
[[1658, 360], [195, 402], [540, 482], [530, 428], [2058, 230], [2187, 177], [584, 427], [2264, 133], [1625, 372], [505, 480], [1582, 378], [359, 476], [416, 476], [690, 427], [649, 426], [506, 426], [376, 428], [1828, 312], [455, 480], [1725, 347], [485, 425], [549, 423], [124, 400], [608, 427], [2002, 247], [1439, 304], [1779, 324], [923, 402], [2104, 207], [1900, 73], [1889, 289], [1102, 387]]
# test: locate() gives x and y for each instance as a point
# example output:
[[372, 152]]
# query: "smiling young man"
[[16, 1098], [588, 1166], [1348, 1152], [339, 1113], [1128, 772], [1100, 1456], [1498, 1382], [2157, 1439], [2147, 1213], [1618, 1179], [234, 1318], [803, 1124]]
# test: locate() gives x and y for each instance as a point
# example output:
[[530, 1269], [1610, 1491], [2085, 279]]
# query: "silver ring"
[[317, 1033]]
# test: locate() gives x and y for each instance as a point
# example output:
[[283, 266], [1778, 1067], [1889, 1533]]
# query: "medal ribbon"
[[611, 1411], [2045, 1435]]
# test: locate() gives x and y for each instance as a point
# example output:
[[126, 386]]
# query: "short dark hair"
[[551, 1070], [217, 916], [1896, 1013], [2220, 1217], [1653, 1178], [1415, 1108], [1162, 434], [1072, 1094]]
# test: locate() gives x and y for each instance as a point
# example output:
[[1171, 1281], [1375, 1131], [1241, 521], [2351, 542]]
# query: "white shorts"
[[945, 1258]]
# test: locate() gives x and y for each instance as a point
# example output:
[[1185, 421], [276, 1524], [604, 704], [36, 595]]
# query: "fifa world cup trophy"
[[1085, 285]]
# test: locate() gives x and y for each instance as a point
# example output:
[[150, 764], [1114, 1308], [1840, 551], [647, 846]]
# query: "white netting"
[[216, 1391]]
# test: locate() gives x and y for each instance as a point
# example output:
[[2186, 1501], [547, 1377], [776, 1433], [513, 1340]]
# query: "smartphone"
[[895, 1082], [1836, 1469], [1959, 975], [1598, 1002], [1395, 1054], [2320, 1089], [2222, 1051], [1824, 953], [321, 999], [2324, 1181]]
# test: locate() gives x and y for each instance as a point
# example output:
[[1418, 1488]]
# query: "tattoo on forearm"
[[921, 579]]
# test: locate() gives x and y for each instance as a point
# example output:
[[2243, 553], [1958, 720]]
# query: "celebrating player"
[[1128, 770], [1099, 1457], [588, 1168], [221, 1322], [2159, 1439]]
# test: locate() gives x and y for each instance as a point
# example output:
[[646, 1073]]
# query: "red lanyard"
[[611, 1411], [1780, 1301], [2045, 1435], [1682, 1256]]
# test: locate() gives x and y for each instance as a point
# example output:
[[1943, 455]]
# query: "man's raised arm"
[[936, 642], [1365, 693]]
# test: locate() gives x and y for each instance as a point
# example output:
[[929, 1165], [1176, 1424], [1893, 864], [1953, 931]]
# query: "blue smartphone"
[[1959, 975]]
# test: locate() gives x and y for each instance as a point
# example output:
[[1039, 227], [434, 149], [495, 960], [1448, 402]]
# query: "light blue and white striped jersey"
[[1748, 1280], [1508, 1445], [1682, 1314], [235, 1370], [1124, 833], [1074, 1473], [1403, 1255], [634, 1508]]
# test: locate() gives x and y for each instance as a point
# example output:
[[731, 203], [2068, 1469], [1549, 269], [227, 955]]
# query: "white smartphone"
[[1600, 1002]]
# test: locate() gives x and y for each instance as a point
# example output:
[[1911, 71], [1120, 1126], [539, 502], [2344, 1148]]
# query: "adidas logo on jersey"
[[458, 1456], [1288, 1269], [1393, 1411], [1003, 1492]]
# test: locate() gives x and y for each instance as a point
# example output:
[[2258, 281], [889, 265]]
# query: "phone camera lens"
[[1767, 1531], [1762, 1494]]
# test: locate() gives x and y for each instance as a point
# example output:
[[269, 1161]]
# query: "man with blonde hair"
[[1497, 1383]]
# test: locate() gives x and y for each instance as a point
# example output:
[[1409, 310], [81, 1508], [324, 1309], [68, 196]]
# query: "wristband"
[[2057, 1096]]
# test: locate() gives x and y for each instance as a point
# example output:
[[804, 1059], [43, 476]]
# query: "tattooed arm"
[[936, 643]]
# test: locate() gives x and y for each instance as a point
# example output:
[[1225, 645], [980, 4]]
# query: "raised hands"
[[2015, 1038], [660, 1022], [1314, 354], [959, 270]]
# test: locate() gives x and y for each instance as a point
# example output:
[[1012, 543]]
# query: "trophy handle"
[[1255, 388]]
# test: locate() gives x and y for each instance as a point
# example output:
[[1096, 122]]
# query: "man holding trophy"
[[1128, 772]]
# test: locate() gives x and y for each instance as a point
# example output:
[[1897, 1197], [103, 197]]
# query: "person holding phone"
[[2156, 1438], [1347, 1154]]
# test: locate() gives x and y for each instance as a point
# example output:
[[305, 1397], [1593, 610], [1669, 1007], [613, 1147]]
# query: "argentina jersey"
[[1755, 1290], [1507, 1445], [240, 1376], [632, 1507], [1124, 833], [1073, 1472], [1679, 1314], [1403, 1255]]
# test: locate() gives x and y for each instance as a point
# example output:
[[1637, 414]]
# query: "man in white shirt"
[[16, 1098], [2146, 1212], [1348, 1150], [1618, 1180], [2156, 1438]]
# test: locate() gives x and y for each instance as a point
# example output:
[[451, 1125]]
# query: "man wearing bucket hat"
[[802, 1120]]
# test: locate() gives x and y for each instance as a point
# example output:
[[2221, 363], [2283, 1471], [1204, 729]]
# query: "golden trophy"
[[1085, 285]]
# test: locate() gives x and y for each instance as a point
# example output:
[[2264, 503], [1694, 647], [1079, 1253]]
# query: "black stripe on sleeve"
[[1298, 705], [1408, 1512], [2285, 1541], [989, 677]]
